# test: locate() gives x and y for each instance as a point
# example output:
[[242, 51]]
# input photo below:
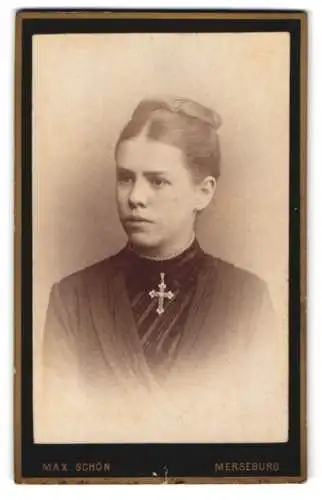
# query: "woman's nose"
[[138, 194]]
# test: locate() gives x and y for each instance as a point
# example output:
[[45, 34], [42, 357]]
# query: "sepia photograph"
[[160, 227]]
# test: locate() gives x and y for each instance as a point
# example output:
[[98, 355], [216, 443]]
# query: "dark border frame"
[[174, 463]]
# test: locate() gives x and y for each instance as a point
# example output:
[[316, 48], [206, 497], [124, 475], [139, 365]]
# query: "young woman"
[[161, 314]]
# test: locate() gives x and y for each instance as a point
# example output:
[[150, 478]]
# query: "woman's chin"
[[143, 242]]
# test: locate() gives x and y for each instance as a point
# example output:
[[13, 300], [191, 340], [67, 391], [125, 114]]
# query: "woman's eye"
[[158, 182], [124, 179]]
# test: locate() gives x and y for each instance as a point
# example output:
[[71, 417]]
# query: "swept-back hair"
[[183, 123]]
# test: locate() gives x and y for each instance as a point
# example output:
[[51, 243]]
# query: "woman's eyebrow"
[[123, 169], [148, 173]]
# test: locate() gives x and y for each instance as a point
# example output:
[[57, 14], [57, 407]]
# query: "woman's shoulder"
[[231, 274], [100, 271]]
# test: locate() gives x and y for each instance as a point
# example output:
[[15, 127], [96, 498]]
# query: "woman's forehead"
[[147, 154]]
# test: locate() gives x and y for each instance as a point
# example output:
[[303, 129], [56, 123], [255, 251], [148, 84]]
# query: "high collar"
[[179, 270], [167, 258]]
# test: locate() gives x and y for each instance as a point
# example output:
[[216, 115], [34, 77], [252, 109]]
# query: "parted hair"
[[180, 122]]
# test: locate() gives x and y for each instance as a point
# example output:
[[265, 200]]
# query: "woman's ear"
[[205, 192]]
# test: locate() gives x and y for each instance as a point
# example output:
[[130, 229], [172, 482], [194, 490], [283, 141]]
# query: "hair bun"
[[197, 110], [182, 105], [193, 109]]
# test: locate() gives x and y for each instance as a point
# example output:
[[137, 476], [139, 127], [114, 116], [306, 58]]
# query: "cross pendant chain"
[[161, 295]]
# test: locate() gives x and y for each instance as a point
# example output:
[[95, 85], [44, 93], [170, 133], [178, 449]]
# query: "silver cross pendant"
[[161, 295]]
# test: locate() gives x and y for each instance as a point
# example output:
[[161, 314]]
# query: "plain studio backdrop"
[[85, 88]]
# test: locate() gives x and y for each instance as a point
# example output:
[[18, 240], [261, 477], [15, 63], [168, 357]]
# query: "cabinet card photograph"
[[160, 170]]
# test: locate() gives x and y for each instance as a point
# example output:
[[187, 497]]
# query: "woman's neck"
[[159, 256]]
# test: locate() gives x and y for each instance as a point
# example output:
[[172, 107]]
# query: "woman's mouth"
[[136, 222], [137, 218]]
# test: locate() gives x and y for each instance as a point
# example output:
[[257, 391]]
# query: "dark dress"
[[104, 335]]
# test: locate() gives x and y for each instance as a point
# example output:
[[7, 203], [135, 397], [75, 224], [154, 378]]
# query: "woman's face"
[[156, 196]]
